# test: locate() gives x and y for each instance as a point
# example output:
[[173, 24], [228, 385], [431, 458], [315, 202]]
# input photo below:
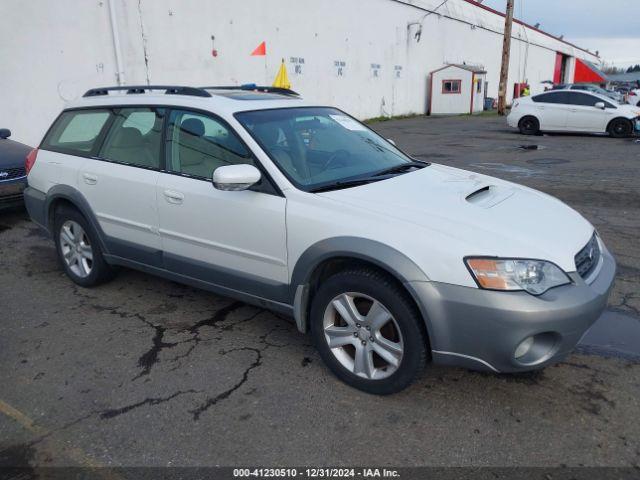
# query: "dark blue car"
[[13, 177]]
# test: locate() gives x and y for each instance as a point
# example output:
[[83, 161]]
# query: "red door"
[[557, 72]]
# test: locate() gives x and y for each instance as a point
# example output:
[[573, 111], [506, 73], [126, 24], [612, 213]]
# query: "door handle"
[[89, 179], [173, 196]]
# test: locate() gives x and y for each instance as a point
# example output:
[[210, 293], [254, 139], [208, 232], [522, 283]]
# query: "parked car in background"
[[589, 87], [573, 111], [13, 178], [633, 97], [386, 261]]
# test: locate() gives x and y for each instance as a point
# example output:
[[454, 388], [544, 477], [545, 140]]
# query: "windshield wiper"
[[400, 168], [372, 178], [344, 184]]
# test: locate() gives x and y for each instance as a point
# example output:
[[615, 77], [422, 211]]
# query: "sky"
[[612, 27]]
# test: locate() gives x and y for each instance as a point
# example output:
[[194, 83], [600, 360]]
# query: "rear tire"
[[78, 249], [529, 125], [620, 128], [379, 342]]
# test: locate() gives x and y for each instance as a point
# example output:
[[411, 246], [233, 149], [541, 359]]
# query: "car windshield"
[[320, 148]]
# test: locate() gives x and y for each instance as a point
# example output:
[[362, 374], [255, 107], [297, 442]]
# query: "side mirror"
[[391, 142], [235, 177], [600, 105], [5, 133]]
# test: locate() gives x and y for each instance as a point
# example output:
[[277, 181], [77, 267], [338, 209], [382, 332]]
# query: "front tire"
[[529, 125], [79, 250], [368, 331], [620, 128]]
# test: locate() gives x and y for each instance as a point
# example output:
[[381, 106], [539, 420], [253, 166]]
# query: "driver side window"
[[586, 100], [197, 144]]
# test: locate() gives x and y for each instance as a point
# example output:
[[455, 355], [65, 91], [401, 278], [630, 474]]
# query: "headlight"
[[509, 274]]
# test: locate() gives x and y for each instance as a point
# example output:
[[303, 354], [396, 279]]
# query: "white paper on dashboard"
[[348, 123]]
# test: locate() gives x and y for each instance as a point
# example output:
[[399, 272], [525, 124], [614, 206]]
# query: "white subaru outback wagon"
[[253, 193]]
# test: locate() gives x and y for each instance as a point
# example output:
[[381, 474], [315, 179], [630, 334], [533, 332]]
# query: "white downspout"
[[116, 42]]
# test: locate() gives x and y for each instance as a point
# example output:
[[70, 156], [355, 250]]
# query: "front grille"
[[587, 258], [11, 173]]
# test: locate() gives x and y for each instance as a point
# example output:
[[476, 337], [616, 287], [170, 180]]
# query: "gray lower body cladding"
[[481, 329], [35, 201]]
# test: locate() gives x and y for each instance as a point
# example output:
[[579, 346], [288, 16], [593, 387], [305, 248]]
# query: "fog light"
[[524, 347]]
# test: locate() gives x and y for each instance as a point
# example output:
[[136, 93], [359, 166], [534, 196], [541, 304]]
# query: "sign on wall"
[[298, 63]]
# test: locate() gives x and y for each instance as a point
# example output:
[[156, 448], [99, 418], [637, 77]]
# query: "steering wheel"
[[337, 159]]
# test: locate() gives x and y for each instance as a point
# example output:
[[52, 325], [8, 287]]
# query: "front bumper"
[[11, 193], [481, 329]]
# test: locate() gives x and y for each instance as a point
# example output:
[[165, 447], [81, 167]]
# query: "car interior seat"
[[129, 146]]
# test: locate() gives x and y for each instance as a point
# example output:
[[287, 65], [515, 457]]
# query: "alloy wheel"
[[621, 128], [76, 249], [363, 335]]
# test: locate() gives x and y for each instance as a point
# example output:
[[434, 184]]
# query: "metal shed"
[[457, 89]]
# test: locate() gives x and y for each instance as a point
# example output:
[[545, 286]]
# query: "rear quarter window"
[[76, 132]]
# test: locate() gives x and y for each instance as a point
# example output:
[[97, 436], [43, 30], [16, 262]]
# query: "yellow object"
[[282, 78]]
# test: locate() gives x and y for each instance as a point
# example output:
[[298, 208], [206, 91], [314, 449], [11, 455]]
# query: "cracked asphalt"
[[147, 372]]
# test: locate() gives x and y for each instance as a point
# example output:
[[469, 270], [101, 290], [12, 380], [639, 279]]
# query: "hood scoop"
[[488, 196]]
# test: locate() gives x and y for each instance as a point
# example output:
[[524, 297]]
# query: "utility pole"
[[506, 51]]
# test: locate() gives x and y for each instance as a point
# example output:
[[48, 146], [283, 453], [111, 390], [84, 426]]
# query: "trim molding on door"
[[224, 248]]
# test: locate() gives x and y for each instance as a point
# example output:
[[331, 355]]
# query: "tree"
[[612, 69]]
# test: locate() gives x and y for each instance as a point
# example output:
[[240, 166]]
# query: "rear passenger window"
[[551, 97], [197, 144], [134, 138], [76, 132]]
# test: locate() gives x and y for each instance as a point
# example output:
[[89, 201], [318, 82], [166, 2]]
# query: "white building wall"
[[54, 51]]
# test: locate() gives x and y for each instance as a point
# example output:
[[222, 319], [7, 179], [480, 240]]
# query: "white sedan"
[[572, 111]]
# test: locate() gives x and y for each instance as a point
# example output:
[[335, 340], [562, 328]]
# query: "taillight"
[[30, 160]]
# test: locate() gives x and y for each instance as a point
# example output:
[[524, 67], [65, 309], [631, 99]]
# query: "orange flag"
[[260, 50]]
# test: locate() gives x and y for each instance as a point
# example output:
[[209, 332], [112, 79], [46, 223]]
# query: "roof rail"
[[252, 87], [139, 89]]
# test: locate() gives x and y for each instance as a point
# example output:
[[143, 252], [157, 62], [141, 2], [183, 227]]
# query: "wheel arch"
[[330, 256], [61, 195]]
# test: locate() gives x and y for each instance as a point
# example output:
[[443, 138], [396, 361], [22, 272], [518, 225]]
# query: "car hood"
[[12, 154], [485, 215], [630, 110]]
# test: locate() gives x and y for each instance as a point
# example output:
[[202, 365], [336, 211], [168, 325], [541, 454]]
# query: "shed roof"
[[463, 66]]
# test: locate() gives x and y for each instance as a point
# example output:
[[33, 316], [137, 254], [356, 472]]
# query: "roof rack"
[[252, 87], [139, 89]]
